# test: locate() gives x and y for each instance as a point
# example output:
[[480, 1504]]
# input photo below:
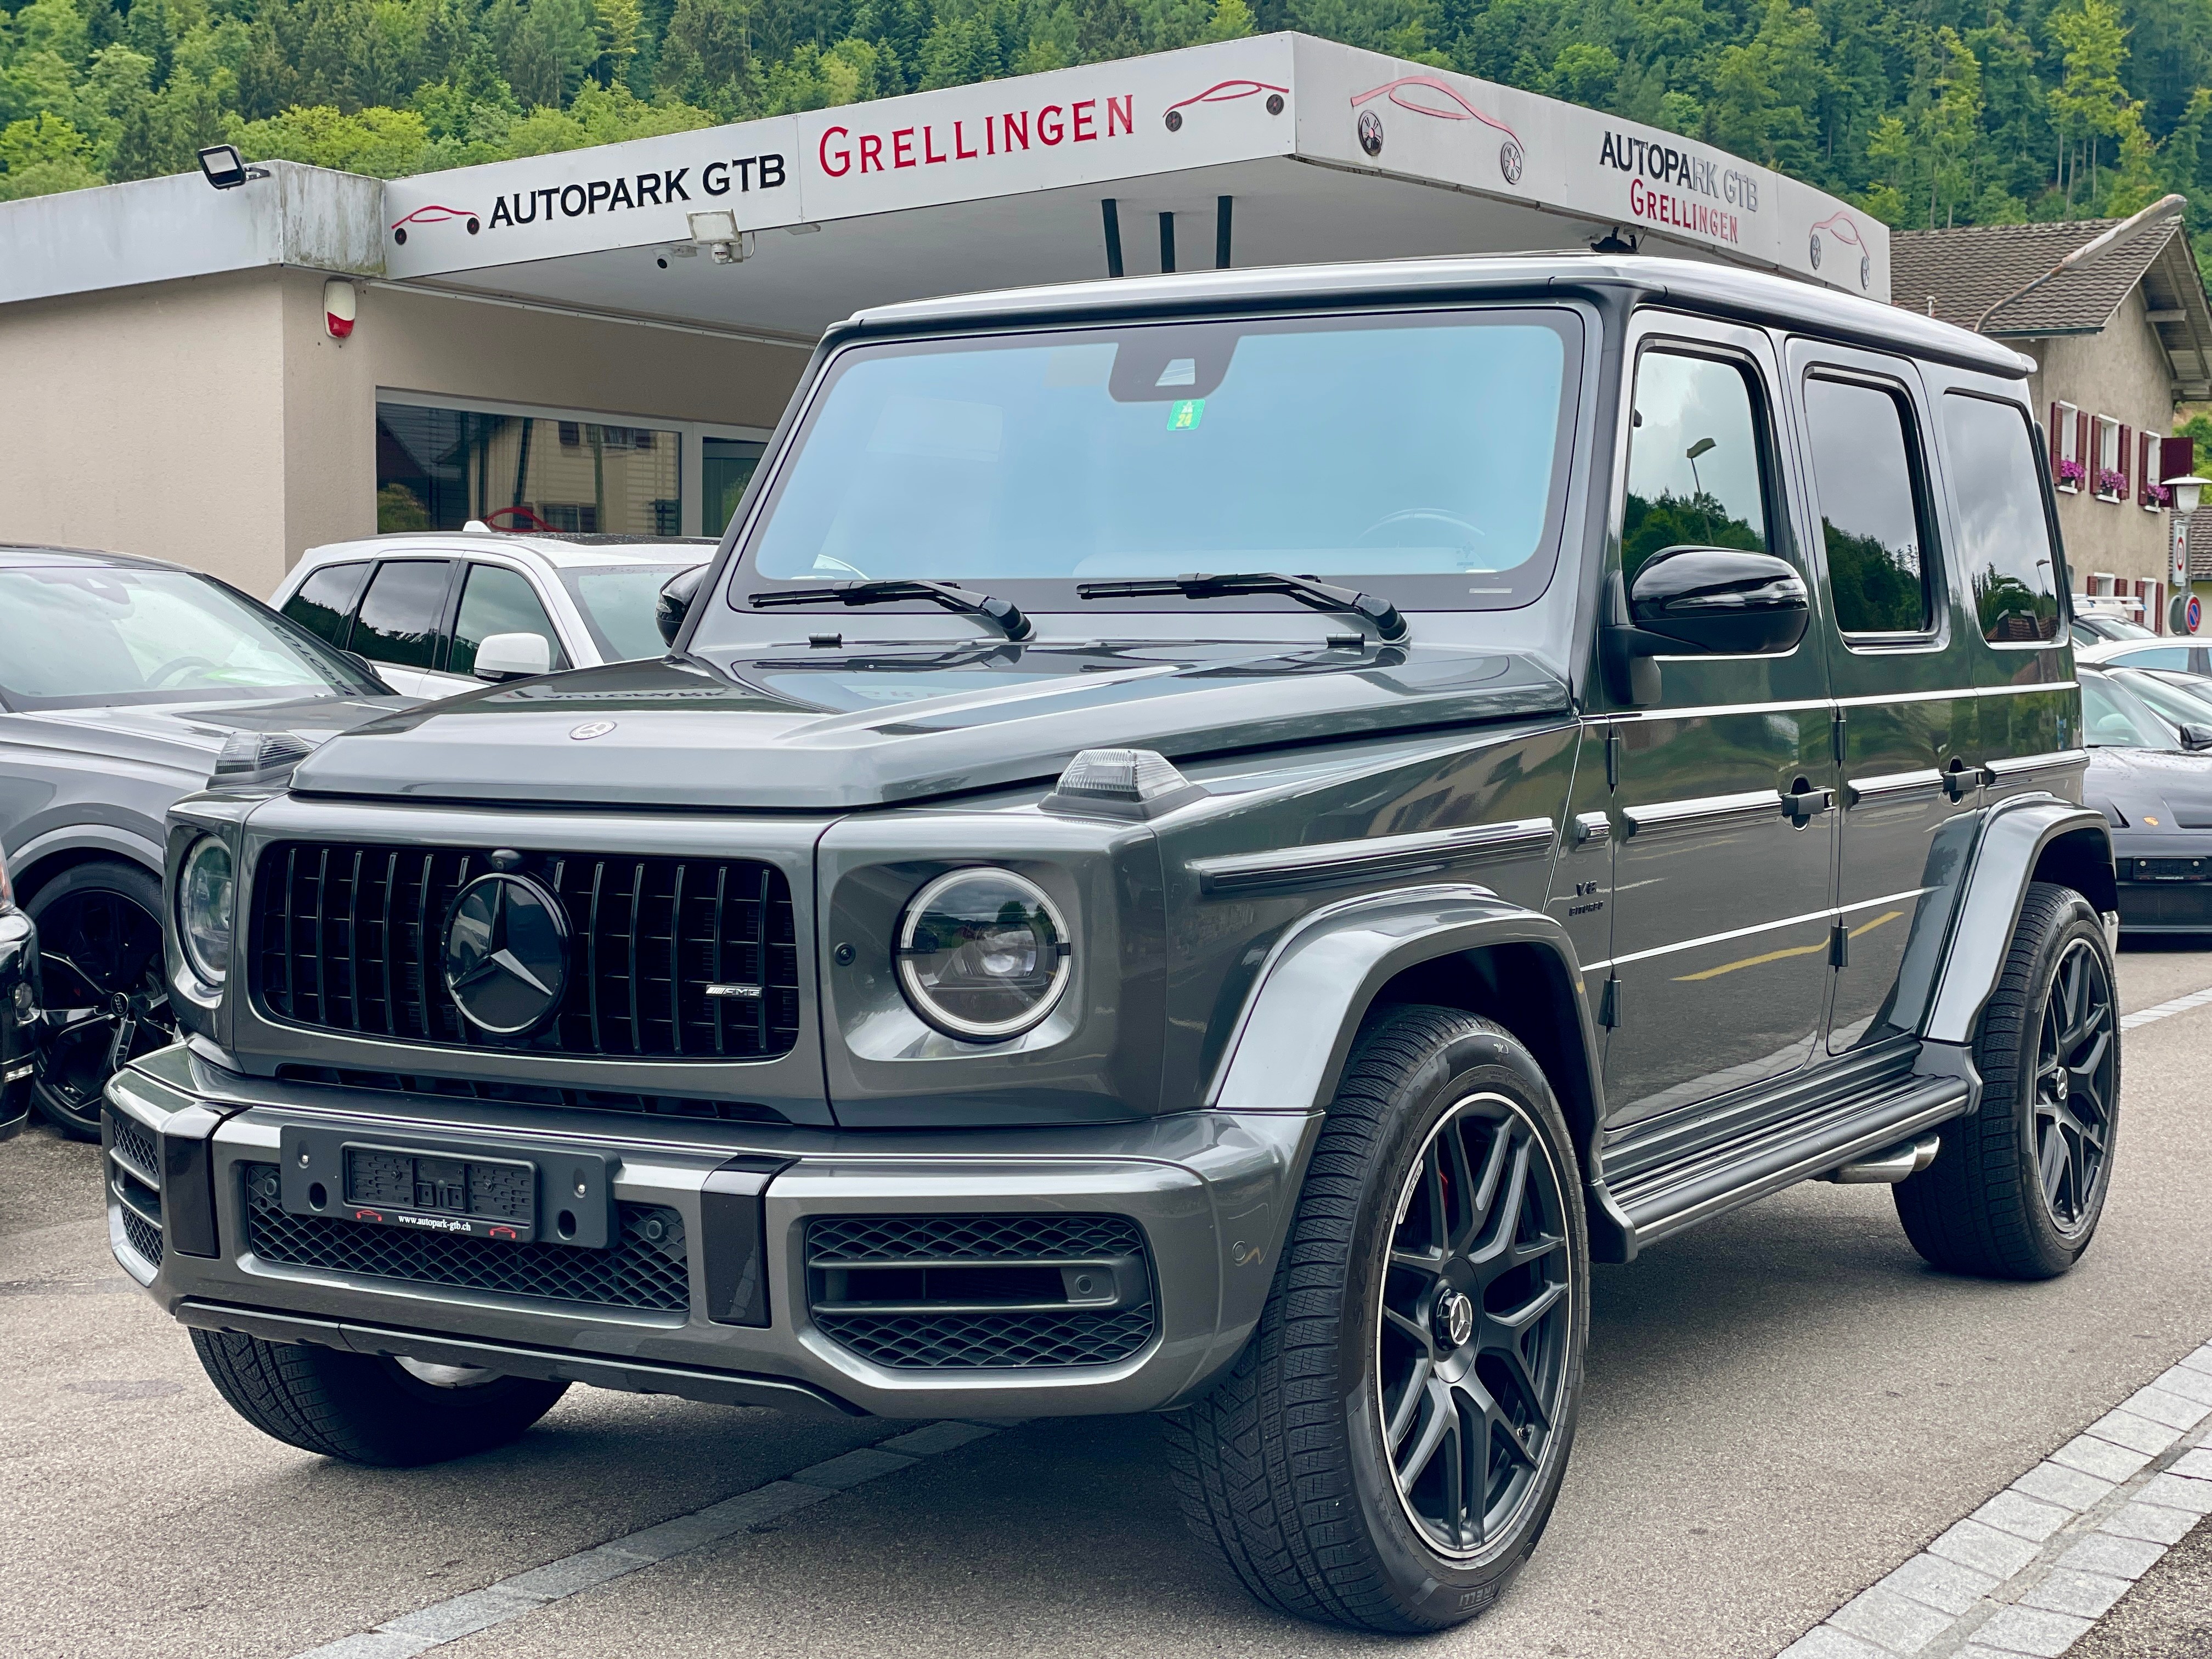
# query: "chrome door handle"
[[1805, 804], [1962, 780]]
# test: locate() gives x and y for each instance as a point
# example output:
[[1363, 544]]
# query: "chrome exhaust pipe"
[[1888, 1168]]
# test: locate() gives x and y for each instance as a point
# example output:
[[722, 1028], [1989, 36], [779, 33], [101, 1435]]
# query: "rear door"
[[1899, 645], [400, 624], [1721, 901]]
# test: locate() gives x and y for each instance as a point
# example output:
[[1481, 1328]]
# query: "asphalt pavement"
[[1783, 1405]]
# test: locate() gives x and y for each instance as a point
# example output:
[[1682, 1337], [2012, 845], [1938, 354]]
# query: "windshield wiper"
[[1322, 596], [1003, 612]]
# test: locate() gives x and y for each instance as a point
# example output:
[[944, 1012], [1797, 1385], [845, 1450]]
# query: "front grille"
[[134, 1177], [349, 938], [915, 1293], [647, 1269], [531, 1094], [2176, 904]]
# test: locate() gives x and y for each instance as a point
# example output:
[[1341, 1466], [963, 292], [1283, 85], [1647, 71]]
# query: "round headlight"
[[205, 897], [981, 954]]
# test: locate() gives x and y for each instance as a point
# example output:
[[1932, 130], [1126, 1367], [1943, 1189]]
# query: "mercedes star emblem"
[[507, 954], [593, 729]]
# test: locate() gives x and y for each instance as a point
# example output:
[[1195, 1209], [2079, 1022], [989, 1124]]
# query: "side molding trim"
[[1292, 868]]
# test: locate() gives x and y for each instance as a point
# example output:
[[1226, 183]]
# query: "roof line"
[[2166, 207]]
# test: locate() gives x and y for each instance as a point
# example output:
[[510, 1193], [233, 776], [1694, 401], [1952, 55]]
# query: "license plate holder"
[[463, 1190]]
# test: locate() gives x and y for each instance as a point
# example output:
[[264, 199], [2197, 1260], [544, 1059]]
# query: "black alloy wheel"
[[102, 984], [1473, 1333], [2017, 1187], [2077, 1065]]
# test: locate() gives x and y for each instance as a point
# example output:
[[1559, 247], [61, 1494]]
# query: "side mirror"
[[674, 603], [369, 669], [2195, 737], [1702, 601], [513, 656]]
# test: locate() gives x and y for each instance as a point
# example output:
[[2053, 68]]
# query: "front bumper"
[[19, 1017], [2165, 883], [1211, 1192]]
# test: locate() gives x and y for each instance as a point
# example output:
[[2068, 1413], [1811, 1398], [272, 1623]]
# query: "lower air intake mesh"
[[647, 1268]]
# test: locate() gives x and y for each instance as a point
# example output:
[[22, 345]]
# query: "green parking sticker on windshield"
[[1184, 413]]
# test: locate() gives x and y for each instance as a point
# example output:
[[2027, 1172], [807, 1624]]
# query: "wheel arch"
[[41, 859], [1456, 946]]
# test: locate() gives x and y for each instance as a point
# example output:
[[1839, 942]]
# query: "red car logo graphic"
[[1841, 230], [1227, 92], [434, 214], [1424, 94]]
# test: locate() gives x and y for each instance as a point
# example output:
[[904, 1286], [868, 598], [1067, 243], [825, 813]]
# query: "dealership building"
[[602, 339]]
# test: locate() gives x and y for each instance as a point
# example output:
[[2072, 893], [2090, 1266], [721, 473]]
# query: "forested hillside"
[[1938, 111]]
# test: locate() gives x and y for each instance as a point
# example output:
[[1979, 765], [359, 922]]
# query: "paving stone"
[[371, 1644], [2114, 1557], [749, 1508], [571, 1573], [462, 1615], [1826, 1641], [2085, 1595], [1889, 1620], [2188, 1383], [2197, 1463], [854, 1467], [2170, 1409], [2175, 1491], [2199, 1361], [2146, 1521], [2022, 1517], [1984, 1548], [934, 1438], [2055, 1484], [1948, 1585], [2100, 1457], [2031, 1630], [2124, 1428]]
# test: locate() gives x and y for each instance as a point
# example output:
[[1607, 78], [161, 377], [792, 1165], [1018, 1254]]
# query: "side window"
[[498, 601], [1873, 506], [2155, 656], [1697, 462], [2004, 539], [401, 612], [324, 605]]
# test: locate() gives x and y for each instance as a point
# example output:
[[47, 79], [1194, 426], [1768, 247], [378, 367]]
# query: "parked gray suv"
[[1030, 948]]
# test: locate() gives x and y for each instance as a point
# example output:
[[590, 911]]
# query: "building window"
[[2107, 471], [436, 469], [725, 468], [2069, 468]]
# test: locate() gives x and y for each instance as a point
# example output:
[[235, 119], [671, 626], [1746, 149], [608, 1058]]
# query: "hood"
[[798, 729], [2145, 784], [187, 737]]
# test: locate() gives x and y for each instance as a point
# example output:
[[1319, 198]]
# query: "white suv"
[[420, 605]]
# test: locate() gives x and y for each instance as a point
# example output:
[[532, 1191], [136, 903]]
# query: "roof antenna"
[[1613, 242]]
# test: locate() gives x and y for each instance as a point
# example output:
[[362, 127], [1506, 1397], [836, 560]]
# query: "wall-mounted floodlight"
[[226, 168], [716, 230]]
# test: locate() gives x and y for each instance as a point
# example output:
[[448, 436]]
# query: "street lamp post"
[[2182, 494]]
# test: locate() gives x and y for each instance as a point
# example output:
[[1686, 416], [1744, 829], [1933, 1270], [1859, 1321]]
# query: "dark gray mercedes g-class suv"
[[1205, 845]]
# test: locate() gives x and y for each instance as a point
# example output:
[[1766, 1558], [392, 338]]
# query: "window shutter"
[[2123, 459], [2083, 432], [2145, 467], [2058, 437], [2177, 457]]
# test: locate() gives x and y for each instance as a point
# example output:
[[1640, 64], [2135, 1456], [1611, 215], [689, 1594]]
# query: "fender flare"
[[1288, 1050], [87, 838], [2023, 840]]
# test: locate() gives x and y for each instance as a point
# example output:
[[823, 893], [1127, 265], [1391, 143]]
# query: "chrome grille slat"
[[637, 976]]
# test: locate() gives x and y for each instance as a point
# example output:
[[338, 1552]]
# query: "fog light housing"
[[983, 954], [206, 898]]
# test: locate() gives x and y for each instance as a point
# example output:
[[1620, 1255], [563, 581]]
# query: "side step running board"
[[1864, 1132]]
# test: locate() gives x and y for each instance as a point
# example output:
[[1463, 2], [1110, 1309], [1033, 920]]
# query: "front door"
[[1723, 866]]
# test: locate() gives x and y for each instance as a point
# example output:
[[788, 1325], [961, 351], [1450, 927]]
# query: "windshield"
[[2114, 628], [2116, 719], [617, 601], [1418, 455], [2175, 703], [79, 638]]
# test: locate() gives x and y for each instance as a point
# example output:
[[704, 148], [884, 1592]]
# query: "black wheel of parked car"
[[99, 951], [2017, 1188], [364, 1408], [1388, 1449]]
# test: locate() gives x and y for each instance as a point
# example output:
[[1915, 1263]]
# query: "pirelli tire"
[[1438, 1236], [369, 1408]]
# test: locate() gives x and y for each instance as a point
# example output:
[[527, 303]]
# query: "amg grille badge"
[[750, 993]]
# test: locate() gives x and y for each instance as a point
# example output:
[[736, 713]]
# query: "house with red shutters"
[[2114, 313]]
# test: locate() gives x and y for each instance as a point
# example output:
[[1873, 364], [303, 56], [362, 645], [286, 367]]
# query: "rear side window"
[[498, 601], [2004, 539], [1696, 460], [400, 613], [324, 605], [1873, 506], [2154, 656]]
